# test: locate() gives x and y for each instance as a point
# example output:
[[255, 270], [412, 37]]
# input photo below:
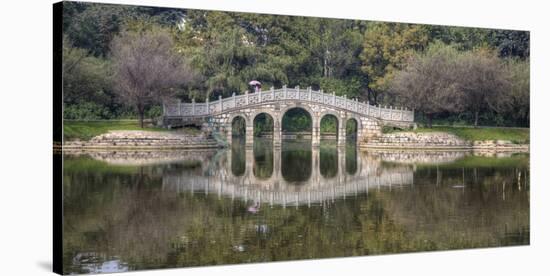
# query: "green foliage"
[[87, 111], [387, 48], [238, 126], [329, 124], [296, 120], [263, 124], [85, 77], [355, 58], [154, 112], [351, 88]]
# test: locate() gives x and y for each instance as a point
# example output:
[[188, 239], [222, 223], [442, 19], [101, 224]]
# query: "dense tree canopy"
[[358, 59]]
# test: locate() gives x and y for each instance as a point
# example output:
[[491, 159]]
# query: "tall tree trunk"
[[430, 117], [141, 113]]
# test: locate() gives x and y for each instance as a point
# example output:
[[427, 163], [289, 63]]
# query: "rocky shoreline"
[[158, 140], [438, 140], [143, 140]]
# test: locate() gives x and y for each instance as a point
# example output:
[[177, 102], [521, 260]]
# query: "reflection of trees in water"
[[351, 157], [328, 159], [449, 204], [296, 160], [126, 213], [238, 157], [263, 158]]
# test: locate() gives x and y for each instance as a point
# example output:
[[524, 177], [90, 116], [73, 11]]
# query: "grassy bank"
[[85, 130], [516, 135], [520, 161]]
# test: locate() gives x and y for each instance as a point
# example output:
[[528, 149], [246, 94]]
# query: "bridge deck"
[[201, 110]]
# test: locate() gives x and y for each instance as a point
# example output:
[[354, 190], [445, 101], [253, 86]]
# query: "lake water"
[[145, 210]]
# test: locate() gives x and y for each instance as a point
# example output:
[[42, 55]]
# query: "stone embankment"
[[437, 140], [143, 140]]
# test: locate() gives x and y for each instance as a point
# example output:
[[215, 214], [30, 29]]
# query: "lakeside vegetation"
[[515, 135], [450, 74]]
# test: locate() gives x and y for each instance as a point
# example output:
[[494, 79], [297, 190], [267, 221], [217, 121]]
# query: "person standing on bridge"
[[256, 84]]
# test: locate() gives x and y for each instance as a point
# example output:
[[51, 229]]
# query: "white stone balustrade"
[[246, 100]]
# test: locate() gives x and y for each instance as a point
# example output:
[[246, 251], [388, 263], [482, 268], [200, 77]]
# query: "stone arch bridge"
[[220, 114]]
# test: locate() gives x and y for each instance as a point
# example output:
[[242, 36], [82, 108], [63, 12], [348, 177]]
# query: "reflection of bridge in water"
[[290, 177]]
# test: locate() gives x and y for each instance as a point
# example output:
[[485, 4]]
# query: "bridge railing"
[[241, 101]]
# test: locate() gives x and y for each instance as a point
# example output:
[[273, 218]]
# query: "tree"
[[87, 83], [386, 49], [147, 69], [483, 81], [429, 83], [95, 25], [510, 43], [519, 91]]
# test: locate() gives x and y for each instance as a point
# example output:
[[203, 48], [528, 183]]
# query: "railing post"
[[179, 107], [391, 113], [297, 88], [356, 105], [207, 106], [333, 98], [234, 100], [379, 111], [368, 108], [401, 117], [345, 101], [246, 97], [221, 103], [193, 107], [284, 92], [309, 93], [272, 93]]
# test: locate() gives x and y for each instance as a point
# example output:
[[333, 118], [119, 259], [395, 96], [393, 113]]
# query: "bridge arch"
[[352, 126], [269, 116], [330, 113], [307, 110], [297, 105], [236, 117]]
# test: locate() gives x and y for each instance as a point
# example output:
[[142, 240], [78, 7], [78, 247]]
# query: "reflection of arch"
[[232, 120], [238, 159], [257, 116], [328, 161], [352, 165], [263, 154], [296, 162]]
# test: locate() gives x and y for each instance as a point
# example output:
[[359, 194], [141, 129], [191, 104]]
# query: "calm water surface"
[[144, 210]]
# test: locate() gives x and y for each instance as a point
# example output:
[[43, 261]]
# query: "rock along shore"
[[437, 140], [143, 140]]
